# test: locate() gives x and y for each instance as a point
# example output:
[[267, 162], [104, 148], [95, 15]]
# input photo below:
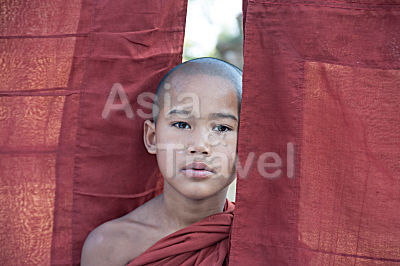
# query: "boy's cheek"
[[167, 157], [227, 146], [172, 138], [224, 163]]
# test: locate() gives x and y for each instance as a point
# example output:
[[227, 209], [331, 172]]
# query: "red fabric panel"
[[63, 168], [203, 243], [323, 75], [133, 43], [37, 46]]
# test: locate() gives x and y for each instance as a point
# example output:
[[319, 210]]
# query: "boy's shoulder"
[[118, 241]]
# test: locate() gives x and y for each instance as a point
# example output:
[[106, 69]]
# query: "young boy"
[[194, 136]]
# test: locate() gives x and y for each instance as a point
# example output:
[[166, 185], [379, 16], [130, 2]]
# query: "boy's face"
[[196, 134]]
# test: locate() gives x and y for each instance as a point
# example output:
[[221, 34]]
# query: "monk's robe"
[[204, 243]]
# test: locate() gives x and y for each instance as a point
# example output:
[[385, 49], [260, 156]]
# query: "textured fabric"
[[203, 243], [324, 76], [37, 45], [64, 169]]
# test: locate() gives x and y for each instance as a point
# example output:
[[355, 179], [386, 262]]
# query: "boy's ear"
[[149, 136]]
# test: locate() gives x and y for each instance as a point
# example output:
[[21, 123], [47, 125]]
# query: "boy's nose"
[[199, 143], [199, 149]]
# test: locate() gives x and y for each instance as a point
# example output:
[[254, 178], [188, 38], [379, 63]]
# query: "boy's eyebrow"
[[179, 112], [223, 115], [184, 112]]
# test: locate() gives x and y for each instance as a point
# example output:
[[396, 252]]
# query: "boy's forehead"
[[200, 95], [197, 82], [200, 85]]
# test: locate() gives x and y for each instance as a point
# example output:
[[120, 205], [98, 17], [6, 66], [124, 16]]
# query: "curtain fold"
[[67, 162], [321, 96]]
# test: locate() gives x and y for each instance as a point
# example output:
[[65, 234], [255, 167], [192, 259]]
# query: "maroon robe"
[[203, 243]]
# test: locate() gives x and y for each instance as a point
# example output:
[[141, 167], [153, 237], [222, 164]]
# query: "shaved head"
[[206, 66]]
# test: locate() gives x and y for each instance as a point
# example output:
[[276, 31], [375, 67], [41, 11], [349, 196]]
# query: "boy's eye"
[[222, 128], [182, 125]]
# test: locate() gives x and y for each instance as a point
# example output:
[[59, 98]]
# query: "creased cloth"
[[205, 243]]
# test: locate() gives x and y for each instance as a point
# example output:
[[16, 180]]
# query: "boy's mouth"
[[198, 170]]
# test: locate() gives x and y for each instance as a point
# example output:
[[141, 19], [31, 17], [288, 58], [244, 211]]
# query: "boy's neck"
[[181, 212]]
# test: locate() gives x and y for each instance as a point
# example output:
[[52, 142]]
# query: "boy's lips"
[[198, 170]]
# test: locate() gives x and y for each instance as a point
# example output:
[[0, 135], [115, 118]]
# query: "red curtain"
[[321, 75], [325, 77], [64, 169]]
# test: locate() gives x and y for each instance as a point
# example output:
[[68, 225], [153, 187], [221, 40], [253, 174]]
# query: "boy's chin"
[[199, 191]]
